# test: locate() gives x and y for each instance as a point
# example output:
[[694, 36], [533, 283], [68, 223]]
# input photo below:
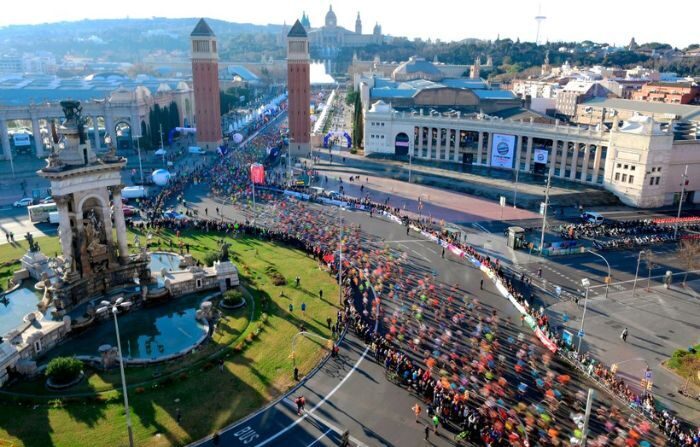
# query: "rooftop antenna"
[[539, 18]]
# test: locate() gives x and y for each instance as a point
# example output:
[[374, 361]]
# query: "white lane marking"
[[480, 227], [330, 394], [320, 437]]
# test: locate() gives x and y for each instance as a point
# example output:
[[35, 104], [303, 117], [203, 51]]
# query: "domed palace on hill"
[[327, 41]]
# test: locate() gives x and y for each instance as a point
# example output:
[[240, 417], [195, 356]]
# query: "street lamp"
[[684, 183], [544, 212], [587, 284], [115, 309], [410, 162], [138, 149], [609, 278], [636, 274]]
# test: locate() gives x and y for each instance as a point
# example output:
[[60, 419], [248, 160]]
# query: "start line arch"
[[332, 134]]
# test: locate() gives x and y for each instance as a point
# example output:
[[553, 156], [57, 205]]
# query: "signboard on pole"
[[567, 337], [257, 173], [502, 151], [541, 156]]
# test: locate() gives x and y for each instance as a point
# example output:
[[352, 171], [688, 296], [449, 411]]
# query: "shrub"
[[64, 369], [183, 376], [210, 257], [277, 278], [233, 297]]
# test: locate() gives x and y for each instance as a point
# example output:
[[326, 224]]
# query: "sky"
[[614, 22]]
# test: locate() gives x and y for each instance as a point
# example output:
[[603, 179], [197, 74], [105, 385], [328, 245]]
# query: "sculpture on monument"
[[223, 251], [94, 258], [33, 245]]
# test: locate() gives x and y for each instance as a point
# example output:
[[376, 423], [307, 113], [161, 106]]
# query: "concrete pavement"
[[659, 321]]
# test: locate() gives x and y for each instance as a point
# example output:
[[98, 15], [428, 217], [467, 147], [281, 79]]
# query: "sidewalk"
[[479, 181], [659, 322]]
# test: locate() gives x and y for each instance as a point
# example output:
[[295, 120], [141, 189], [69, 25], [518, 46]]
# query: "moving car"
[[23, 203]]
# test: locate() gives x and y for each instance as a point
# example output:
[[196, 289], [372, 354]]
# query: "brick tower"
[[205, 77], [299, 88]]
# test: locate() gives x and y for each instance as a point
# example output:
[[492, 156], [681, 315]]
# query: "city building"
[[331, 37], [205, 82], [112, 101], [418, 83], [574, 93], [299, 89], [362, 68], [683, 119], [669, 92], [640, 160]]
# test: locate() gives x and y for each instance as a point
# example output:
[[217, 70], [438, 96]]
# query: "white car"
[[23, 203]]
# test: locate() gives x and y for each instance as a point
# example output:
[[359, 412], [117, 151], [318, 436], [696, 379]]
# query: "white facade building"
[[639, 161]]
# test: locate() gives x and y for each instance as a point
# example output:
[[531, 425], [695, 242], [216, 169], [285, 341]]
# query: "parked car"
[[592, 217], [23, 203], [47, 199]]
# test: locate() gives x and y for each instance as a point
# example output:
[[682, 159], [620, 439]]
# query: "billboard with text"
[[502, 150]]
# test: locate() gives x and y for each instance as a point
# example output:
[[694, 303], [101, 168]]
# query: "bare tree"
[[688, 252]]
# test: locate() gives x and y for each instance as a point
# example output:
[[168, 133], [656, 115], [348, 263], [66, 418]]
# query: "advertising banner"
[[21, 139], [257, 173], [502, 151], [541, 156]]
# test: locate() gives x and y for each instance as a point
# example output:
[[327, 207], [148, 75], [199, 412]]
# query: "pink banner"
[[257, 173], [547, 342]]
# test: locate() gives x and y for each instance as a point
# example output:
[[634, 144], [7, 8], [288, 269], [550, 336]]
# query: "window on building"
[[619, 165], [658, 169], [624, 177], [626, 166], [657, 180], [653, 169], [631, 179], [632, 168], [651, 181], [617, 176]]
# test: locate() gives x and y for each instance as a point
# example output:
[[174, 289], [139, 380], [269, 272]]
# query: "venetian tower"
[[205, 80], [299, 89]]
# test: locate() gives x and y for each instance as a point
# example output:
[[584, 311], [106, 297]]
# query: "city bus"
[[40, 213]]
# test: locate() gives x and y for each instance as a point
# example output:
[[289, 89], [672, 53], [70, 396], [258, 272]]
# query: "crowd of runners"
[[477, 373]]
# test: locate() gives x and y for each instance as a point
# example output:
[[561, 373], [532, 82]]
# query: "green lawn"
[[686, 365], [254, 373]]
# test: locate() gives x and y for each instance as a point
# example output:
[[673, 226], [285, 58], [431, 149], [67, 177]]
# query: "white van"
[[592, 217]]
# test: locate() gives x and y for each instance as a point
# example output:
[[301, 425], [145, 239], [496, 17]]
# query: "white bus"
[[40, 213]]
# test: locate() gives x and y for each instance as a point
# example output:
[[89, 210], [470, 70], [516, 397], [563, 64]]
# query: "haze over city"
[[596, 20]]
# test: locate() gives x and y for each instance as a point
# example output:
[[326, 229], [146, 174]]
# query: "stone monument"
[[84, 188]]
